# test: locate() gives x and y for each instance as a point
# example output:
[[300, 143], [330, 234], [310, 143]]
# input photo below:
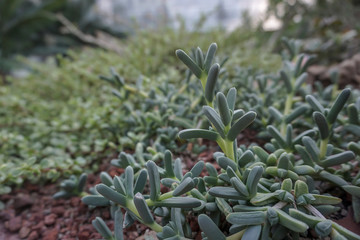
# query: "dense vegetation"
[[61, 116], [287, 149]]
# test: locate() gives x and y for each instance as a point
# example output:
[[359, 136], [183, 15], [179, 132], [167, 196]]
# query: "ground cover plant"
[[62, 119], [280, 190], [189, 147]]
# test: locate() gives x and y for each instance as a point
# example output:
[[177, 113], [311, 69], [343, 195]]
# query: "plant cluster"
[[59, 119], [276, 192]]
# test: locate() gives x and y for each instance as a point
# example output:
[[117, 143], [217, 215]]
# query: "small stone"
[[75, 201], [58, 210], [51, 234], [14, 224], [7, 214], [148, 235], [33, 235], [343, 212], [50, 219], [38, 226], [24, 232], [22, 201]]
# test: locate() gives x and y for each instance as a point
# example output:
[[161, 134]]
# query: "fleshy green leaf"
[[240, 125], [195, 69]]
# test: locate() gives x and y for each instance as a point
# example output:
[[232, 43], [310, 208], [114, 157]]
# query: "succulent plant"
[[262, 193], [74, 186]]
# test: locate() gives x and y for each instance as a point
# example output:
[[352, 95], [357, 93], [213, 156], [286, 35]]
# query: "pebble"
[[51, 234], [22, 201], [50, 219], [24, 232], [14, 224], [33, 236], [58, 210], [343, 212]]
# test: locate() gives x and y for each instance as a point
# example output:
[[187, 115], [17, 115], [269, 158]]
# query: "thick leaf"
[[143, 209], [253, 179], [119, 186], [311, 148], [247, 218], [102, 228], [95, 200], [197, 169], [129, 182], [141, 181], [297, 112], [195, 69], [322, 124], [277, 136], [337, 159], [154, 179], [224, 162], [223, 108], [111, 194], [275, 114], [231, 98], [118, 223], [185, 186], [179, 202], [353, 190], [199, 57], [215, 119], [252, 233], [239, 186], [314, 103], [82, 182], [198, 133], [168, 164], [106, 179], [210, 56], [338, 105], [300, 80], [211, 82], [291, 223], [226, 192], [210, 229], [240, 125], [246, 158], [286, 80]]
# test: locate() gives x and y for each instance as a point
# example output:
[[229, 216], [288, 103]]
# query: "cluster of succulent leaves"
[[60, 119], [264, 193]]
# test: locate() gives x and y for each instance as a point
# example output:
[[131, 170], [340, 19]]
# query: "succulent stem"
[[288, 104], [164, 196], [131, 207], [229, 150], [314, 211], [236, 236], [323, 147]]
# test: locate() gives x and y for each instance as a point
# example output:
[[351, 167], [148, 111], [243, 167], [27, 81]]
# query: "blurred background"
[[39, 28]]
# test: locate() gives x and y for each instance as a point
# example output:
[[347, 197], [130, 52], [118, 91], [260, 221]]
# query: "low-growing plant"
[[270, 193], [72, 187]]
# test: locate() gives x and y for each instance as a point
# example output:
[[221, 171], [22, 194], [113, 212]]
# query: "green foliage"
[[60, 119], [262, 194], [32, 28]]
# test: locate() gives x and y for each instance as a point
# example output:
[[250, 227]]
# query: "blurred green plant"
[[328, 28], [33, 28]]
